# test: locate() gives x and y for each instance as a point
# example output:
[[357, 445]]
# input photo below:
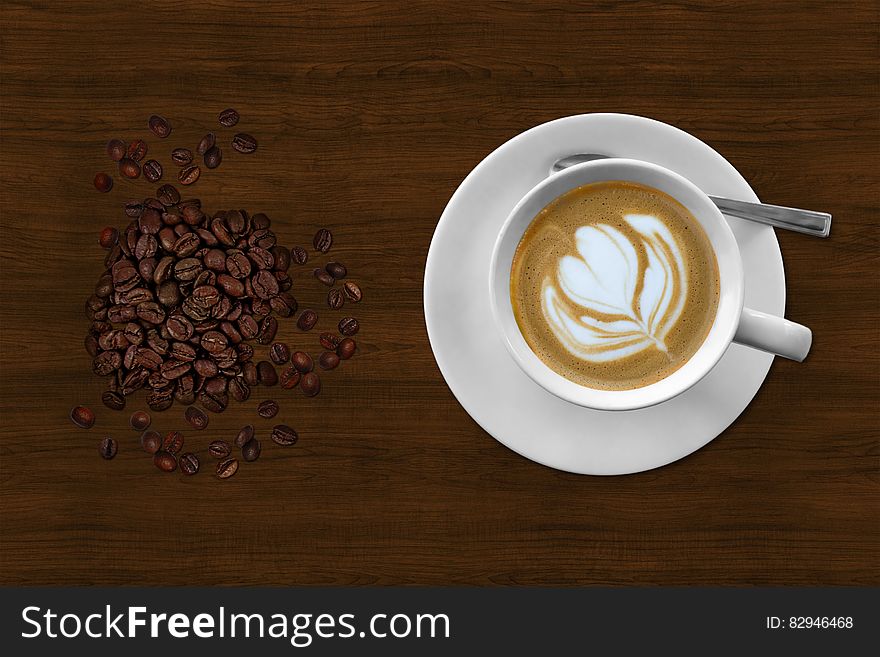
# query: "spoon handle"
[[808, 222]]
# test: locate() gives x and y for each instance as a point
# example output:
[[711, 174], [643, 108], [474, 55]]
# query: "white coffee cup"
[[733, 322]]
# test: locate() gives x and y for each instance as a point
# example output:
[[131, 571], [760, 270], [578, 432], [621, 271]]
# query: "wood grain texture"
[[369, 115]]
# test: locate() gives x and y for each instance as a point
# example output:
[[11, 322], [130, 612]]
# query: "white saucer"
[[477, 367]]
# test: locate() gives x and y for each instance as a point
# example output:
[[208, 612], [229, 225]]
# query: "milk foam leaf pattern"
[[621, 294]]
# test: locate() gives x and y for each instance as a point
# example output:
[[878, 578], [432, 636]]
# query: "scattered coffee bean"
[[302, 362], [352, 291], [116, 149], [152, 171], [108, 237], [299, 255], [173, 442], [284, 435], [268, 409], [108, 448], [219, 449], [227, 468], [196, 417], [244, 143], [188, 175], [103, 182], [346, 348], [323, 276], [113, 400], [246, 433], [165, 461], [168, 195], [266, 373], [335, 299], [182, 156], [228, 118], [328, 360], [139, 420], [250, 451], [349, 326], [307, 320], [290, 378], [189, 463], [310, 384], [151, 441], [82, 417], [323, 240], [159, 126], [129, 168], [213, 157], [279, 353], [206, 143], [137, 150], [336, 269], [329, 341]]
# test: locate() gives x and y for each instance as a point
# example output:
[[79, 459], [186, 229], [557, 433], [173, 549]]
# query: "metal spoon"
[[808, 222]]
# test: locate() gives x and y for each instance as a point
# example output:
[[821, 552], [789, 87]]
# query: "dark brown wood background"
[[368, 117]]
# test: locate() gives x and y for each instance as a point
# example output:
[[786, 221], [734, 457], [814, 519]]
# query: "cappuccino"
[[614, 285]]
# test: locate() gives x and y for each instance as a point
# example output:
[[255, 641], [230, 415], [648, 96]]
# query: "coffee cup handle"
[[773, 334]]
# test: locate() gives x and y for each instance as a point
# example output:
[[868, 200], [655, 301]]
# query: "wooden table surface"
[[368, 117]]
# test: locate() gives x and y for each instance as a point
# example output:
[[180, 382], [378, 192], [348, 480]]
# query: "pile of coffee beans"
[[186, 300]]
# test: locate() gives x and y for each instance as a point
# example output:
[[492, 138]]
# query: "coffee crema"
[[614, 285]]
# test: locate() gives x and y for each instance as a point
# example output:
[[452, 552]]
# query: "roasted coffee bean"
[[133, 209], [284, 435], [329, 341], [82, 417], [189, 463], [179, 327], [165, 461], [169, 294], [107, 362], [213, 157], [160, 400], [188, 175], [310, 384], [151, 442], [281, 256], [228, 329], [244, 143], [182, 156], [146, 247], [323, 276], [335, 299], [214, 342], [302, 361], [216, 385], [173, 442], [352, 291], [227, 468], [196, 417], [214, 403], [336, 269], [265, 284], [113, 400], [346, 348], [328, 360], [290, 378], [147, 267], [348, 326], [238, 265], [206, 143], [268, 330], [129, 168], [267, 409], [103, 182], [168, 195], [137, 150], [151, 312], [91, 344], [261, 258], [184, 390], [250, 451], [250, 374], [113, 255], [174, 369], [152, 171], [307, 320], [116, 149], [108, 448], [284, 304], [323, 240], [108, 237], [244, 436], [245, 352], [139, 421], [299, 255], [159, 126], [239, 390], [219, 449], [188, 269], [248, 327], [228, 118], [279, 353], [266, 373]]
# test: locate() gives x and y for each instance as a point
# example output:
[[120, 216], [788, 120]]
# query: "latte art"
[[614, 285], [617, 298]]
